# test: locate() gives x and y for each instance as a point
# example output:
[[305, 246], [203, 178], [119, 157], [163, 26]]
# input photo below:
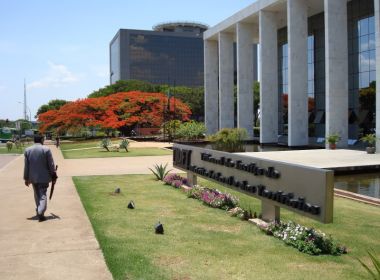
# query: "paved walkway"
[[64, 247]]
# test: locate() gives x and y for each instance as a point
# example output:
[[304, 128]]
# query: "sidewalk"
[[64, 247]]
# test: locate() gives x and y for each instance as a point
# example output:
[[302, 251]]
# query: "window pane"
[[310, 71], [285, 50], [372, 76], [372, 42], [363, 26], [371, 23], [364, 79], [363, 43], [364, 61], [372, 60]]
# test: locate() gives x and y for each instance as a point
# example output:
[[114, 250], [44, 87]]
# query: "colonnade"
[[219, 73]]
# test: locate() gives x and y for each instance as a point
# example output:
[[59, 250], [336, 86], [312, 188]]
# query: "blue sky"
[[61, 47]]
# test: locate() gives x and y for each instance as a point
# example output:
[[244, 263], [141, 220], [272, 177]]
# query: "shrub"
[[105, 143], [18, 144], [160, 171], [333, 138], [229, 140], [177, 183], [170, 128], [214, 198], [191, 131], [241, 213], [171, 178], [124, 144], [370, 139], [9, 145], [306, 240]]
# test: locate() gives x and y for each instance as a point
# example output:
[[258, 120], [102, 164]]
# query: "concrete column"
[[269, 77], [226, 81], [255, 63], [211, 86], [245, 77], [336, 69], [377, 26], [297, 52], [192, 179]]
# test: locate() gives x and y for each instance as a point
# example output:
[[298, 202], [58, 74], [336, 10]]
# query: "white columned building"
[[245, 76], [297, 54], [336, 69], [268, 76], [226, 80], [211, 86], [318, 61]]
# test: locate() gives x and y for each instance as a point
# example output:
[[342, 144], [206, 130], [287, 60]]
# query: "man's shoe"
[[41, 218]]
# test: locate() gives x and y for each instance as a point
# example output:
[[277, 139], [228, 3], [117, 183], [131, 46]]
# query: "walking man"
[[39, 170]]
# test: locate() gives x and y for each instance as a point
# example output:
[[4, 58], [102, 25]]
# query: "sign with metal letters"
[[304, 190]]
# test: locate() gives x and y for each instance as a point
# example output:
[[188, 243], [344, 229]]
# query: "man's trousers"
[[40, 197]]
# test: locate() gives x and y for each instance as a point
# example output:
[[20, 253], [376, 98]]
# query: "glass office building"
[[170, 54]]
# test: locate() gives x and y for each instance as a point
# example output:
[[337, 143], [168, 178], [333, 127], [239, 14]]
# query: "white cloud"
[[57, 76]]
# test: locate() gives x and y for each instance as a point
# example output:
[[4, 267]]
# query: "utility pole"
[[25, 112]]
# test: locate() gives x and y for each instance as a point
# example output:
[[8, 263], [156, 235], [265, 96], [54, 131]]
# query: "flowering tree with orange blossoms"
[[124, 109]]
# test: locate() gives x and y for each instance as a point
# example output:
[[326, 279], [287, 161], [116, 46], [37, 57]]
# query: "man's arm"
[[51, 165], [26, 170]]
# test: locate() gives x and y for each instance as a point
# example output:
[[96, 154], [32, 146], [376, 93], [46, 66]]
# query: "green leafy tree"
[[54, 104], [125, 86]]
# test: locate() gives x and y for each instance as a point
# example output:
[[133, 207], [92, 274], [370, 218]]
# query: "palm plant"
[[375, 273], [124, 144], [105, 143], [160, 171], [370, 139]]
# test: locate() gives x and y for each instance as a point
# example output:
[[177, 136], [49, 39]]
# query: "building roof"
[[172, 26]]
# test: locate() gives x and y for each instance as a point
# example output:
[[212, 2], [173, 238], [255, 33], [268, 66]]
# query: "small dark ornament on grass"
[[159, 228], [131, 205], [117, 190]]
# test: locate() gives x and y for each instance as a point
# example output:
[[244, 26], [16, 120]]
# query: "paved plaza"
[[64, 247]]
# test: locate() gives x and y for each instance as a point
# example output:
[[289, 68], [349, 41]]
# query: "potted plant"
[[332, 140], [371, 140]]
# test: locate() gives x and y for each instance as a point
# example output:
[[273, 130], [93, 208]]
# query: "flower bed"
[[213, 197], [175, 180], [306, 240]]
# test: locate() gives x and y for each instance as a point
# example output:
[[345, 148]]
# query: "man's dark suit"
[[39, 170]]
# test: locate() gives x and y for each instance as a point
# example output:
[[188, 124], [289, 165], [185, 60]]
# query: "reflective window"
[[362, 67], [166, 59], [115, 60]]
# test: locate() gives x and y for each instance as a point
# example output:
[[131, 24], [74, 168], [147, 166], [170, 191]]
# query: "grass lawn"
[[82, 144], [206, 243], [4, 150], [101, 153]]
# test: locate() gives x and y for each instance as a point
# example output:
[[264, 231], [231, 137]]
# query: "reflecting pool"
[[364, 184]]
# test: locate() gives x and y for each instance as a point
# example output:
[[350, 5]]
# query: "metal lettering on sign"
[[307, 191]]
